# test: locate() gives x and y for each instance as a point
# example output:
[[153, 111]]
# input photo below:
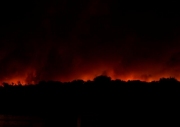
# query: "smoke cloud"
[[66, 40]]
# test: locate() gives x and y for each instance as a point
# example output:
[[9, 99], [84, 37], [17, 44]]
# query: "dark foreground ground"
[[97, 103]]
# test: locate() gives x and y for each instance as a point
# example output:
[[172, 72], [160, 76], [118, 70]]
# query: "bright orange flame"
[[15, 80]]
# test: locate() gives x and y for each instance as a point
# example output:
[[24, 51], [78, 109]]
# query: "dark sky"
[[80, 39]]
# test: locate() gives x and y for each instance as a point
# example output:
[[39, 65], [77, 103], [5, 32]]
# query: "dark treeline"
[[101, 102]]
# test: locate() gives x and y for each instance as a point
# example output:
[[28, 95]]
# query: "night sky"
[[66, 40]]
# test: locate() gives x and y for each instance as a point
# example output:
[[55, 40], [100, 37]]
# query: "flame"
[[15, 80]]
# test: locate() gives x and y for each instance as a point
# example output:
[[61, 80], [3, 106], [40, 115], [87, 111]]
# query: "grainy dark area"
[[101, 102]]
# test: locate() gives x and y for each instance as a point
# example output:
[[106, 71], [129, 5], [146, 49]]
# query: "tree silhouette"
[[61, 103]]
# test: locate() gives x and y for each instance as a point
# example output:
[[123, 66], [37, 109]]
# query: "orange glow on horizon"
[[23, 79]]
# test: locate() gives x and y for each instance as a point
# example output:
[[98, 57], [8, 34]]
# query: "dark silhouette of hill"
[[101, 102]]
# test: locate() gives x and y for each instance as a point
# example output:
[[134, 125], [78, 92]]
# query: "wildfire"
[[31, 77]]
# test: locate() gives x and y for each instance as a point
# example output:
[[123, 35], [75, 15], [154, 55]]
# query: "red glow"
[[65, 43], [28, 78]]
